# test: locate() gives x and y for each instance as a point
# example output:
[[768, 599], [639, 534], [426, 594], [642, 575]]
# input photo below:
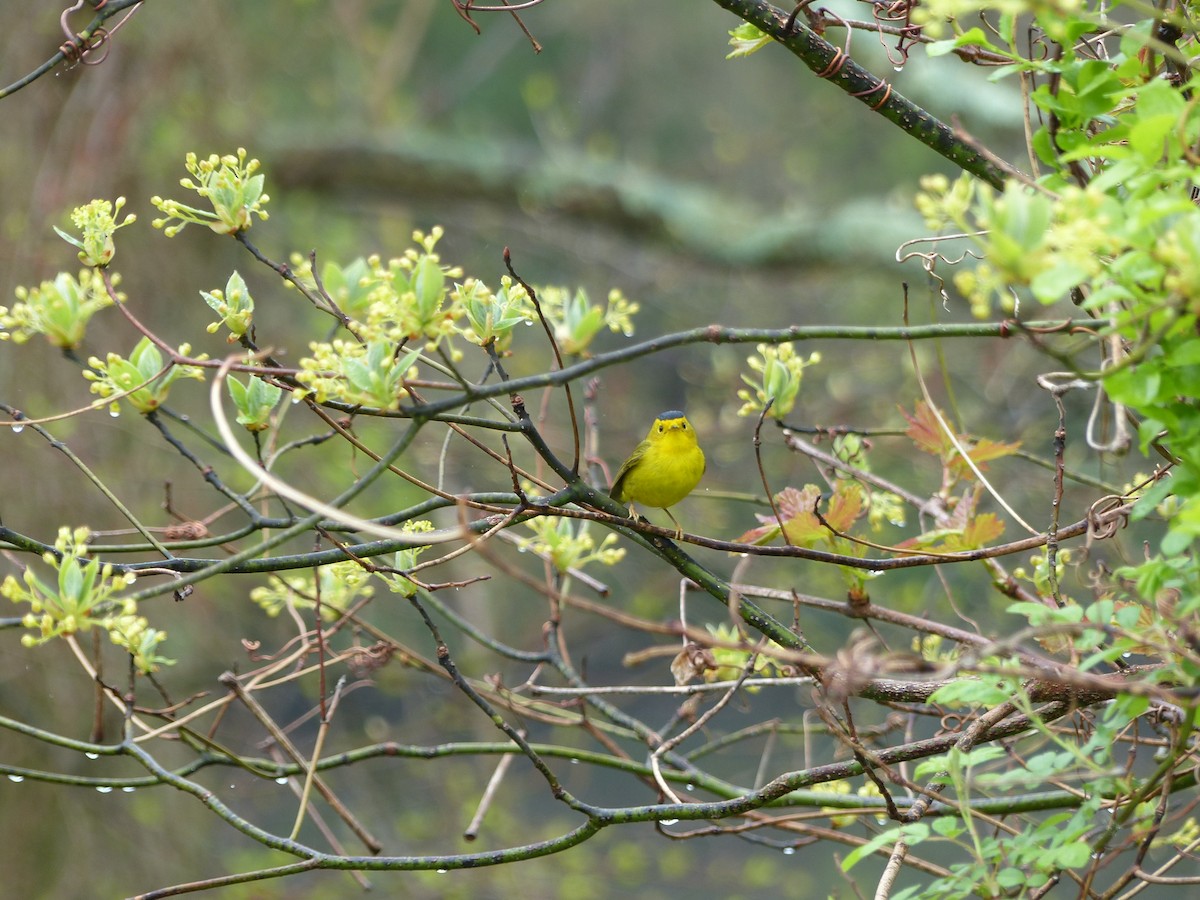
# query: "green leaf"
[[70, 579], [68, 238], [1176, 541], [1044, 147], [261, 393], [359, 374], [406, 362], [948, 826], [1185, 354], [910, 834], [1136, 386], [1096, 88], [1149, 136], [934, 769], [237, 391], [146, 358], [1074, 855], [429, 284], [1052, 284], [1009, 877], [973, 37], [252, 189], [972, 692]]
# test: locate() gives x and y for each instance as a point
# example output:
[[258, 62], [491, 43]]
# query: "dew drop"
[[442, 871], [17, 428], [282, 779], [574, 762], [898, 68], [105, 789], [127, 790], [689, 787], [92, 755], [789, 851], [665, 822], [16, 779]]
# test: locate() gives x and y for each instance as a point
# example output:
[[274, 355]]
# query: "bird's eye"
[[660, 429]]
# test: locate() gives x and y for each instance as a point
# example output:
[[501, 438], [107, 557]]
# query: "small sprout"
[[492, 317], [944, 205], [349, 286], [59, 309], [405, 559], [337, 586], [576, 320], [1184, 836], [234, 305], [929, 648], [371, 374], [568, 545], [229, 184], [884, 506], [140, 641], [1040, 246], [117, 375], [254, 401], [408, 296], [97, 221], [802, 526], [780, 372], [730, 662], [840, 788], [1170, 506], [747, 39], [84, 596], [1040, 576]]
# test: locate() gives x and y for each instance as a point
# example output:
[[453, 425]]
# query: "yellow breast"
[[669, 469]]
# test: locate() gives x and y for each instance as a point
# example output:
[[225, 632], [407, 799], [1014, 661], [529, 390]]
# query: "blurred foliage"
[[730, 191]]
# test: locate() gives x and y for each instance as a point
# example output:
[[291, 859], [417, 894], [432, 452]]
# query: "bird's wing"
[[619, 482]]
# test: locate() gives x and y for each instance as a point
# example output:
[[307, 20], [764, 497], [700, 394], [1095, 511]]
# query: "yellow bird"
[[664, 468]]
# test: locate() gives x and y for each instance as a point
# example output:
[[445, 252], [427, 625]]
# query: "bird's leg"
[[678, 527]]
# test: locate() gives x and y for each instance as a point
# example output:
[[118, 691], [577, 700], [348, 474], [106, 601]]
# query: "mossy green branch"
[[84, 38], [830, 63], [722, 334]]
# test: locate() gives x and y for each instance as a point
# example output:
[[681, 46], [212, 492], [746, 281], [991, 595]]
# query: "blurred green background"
[[629, 153]]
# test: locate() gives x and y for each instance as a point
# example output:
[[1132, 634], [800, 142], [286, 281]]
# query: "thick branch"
[[830, 63]]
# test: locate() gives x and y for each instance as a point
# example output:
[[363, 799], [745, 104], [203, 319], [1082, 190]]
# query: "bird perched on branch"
[[664, 468]]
